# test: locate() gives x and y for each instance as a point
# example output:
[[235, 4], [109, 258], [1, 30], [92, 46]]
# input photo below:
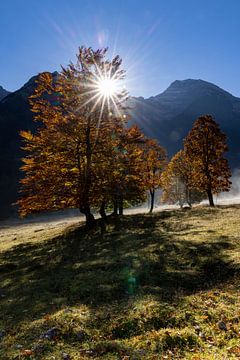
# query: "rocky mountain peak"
[[192, 88], [3, 93]]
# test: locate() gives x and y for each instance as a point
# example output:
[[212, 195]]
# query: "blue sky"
[[160, 41]]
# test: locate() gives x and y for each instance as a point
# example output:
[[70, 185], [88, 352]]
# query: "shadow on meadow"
[[137, 254]]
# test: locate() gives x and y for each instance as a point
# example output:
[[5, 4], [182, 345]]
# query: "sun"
[[105, 91], [107, 87]]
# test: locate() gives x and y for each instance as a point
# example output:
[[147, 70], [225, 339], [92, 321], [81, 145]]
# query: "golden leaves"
[[205, 146]]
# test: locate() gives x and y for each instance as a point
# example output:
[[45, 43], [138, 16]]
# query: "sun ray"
[[115, 105], [103, 89], [108, 104], [88, 101], [100, 115], [99, 119], [96, 103]]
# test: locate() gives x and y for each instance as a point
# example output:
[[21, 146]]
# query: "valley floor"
[[160, 286]]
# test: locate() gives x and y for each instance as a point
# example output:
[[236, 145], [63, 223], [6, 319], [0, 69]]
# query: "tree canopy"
[[205, 146], [155, 159], [176, 181]]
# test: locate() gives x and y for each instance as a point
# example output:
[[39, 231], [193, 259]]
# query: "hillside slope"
[[161, 286]]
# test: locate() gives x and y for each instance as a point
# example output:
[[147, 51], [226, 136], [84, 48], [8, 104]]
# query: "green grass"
[[151, 287]]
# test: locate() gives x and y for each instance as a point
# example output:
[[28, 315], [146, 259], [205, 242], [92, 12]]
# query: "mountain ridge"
[[186, 82], [169, 115], [3, 93]]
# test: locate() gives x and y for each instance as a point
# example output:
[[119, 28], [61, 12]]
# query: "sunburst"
[[107, 91], [104, 90], [107, 87]]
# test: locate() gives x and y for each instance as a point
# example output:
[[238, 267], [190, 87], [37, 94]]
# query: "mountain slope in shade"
[[15, 115], [3, 93], [167, 117], [170, 115]]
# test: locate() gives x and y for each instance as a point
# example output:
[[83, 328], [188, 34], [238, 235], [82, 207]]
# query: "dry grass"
[[152, 287]]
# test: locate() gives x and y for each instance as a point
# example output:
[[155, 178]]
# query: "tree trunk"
[[152, 193], [115, 205], [181, 203], [210, 197], [209, 187], [90, 220], [188, 196], [120, 203], [87, 182], [102, 210]]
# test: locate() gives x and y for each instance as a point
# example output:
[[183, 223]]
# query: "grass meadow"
[[160, 286]]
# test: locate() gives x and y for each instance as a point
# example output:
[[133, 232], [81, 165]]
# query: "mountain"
[[15, 115], [3, 93], [167, 117]]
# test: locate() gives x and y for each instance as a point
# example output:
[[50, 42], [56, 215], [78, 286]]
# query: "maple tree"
[[125, 176], [120, 168], [204, 147], [154, 161], [176, 181], [62, 163]]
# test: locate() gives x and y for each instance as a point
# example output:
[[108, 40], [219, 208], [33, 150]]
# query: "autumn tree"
[[205, 146], [75, 111], [121, 176], [153, 162], [126, 164], [177, 181], [173, 189]]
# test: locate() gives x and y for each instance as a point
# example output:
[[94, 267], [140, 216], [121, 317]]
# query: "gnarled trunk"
[[90, 220]]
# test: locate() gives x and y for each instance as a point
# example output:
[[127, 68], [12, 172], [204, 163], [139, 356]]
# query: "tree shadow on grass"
[[137, 254]]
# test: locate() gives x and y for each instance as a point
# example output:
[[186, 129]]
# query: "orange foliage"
[[205, 146]]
